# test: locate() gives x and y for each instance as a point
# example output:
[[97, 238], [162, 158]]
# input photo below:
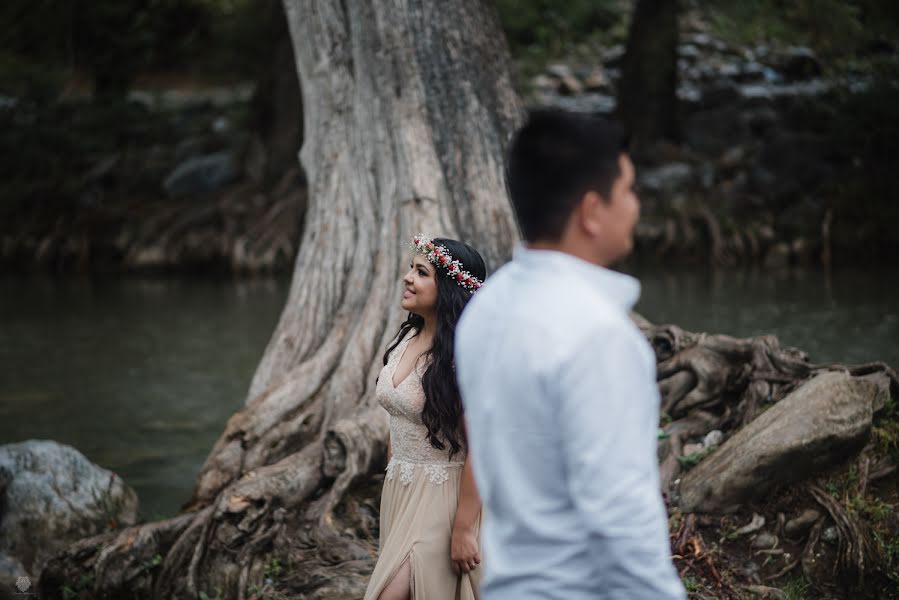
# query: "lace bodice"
[[408, 434]]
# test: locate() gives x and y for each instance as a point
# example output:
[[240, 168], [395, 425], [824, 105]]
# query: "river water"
[[141, 374]]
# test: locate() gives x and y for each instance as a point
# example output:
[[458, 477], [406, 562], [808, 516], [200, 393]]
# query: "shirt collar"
[[621, 289]]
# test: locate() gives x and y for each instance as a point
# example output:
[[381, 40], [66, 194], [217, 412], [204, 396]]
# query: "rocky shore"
[[780, 162]]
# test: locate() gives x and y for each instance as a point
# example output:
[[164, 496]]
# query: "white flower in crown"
[[441, 257]]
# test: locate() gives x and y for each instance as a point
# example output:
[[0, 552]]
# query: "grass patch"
[[691, 460], [691, 584], [796, 588]]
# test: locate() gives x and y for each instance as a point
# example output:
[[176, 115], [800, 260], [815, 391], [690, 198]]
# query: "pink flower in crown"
[[441, 257]]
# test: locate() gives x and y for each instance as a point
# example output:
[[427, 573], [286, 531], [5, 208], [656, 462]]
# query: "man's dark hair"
[[554, 159]]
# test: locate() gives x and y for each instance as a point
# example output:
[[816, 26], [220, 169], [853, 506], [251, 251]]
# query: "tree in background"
[[277, 106], [647, 92]]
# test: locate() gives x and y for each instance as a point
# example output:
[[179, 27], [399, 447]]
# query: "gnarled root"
[[223, 546]]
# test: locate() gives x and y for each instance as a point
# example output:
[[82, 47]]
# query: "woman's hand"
[[464, 550]]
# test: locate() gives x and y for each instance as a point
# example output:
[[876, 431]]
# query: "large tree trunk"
[[647, 96], [407, 110]]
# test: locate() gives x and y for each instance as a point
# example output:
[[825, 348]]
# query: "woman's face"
[[420, 292]]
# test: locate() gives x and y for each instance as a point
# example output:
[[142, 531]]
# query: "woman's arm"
[[464, 549]]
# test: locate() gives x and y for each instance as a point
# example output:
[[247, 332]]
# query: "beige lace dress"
[[419, 498]]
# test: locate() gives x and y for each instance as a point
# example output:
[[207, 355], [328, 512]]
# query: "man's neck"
[[577, 250]]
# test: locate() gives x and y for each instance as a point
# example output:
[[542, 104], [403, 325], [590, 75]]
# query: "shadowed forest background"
[[193, 310], [162, 135]]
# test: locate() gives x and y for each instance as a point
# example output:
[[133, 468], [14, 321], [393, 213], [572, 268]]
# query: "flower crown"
[[440, 256]]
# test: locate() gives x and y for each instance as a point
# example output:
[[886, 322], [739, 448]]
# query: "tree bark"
[[408, 107], [647, 95]]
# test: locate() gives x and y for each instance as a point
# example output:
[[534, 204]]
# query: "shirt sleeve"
[[609, 420]]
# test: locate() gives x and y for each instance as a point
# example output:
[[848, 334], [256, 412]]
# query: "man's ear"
[[590, 213]]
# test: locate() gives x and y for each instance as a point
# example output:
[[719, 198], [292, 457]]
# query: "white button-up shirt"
[[562, 409]]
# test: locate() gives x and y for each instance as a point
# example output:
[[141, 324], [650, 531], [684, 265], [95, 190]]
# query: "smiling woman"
[[420, 294], [422, 553]]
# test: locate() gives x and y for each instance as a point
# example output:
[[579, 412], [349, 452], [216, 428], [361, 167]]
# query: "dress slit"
[[406, 559]]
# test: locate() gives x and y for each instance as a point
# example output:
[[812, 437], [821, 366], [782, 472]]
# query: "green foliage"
[[152, 563], [889, 547], [73, 591], [273, 569], [878, 515], [542, 30], [874, 510], [728, 533], [691, 460], [553, 24], [796, 588], [690, 584], [885, 431], [831, 27]]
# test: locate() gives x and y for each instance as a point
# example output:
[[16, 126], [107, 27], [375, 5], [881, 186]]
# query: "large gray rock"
[[51, 495], [666, 178], [820, 424], [202, 174]]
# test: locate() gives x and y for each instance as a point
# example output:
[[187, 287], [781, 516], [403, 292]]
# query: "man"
[[559, 386]]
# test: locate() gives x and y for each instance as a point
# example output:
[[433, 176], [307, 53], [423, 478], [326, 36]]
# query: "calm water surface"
[[141, 374], [849, 316]]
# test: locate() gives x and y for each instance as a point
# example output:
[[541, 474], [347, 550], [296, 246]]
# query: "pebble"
[[692, 449], [764, 541], [801, 524], [757, 522], [713, 438]]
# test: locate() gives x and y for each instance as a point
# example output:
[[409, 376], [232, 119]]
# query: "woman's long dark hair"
[[442, 412]]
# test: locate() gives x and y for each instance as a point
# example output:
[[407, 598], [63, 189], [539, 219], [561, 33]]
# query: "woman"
[[430, 508]]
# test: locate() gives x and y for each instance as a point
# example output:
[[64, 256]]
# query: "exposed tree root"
[[710, 382], [857, 553]]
